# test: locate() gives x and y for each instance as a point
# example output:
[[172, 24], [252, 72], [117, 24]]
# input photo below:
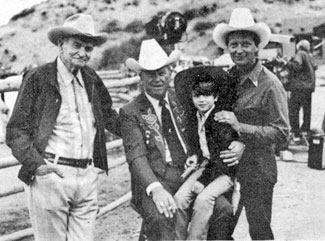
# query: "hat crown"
[[152, 56], [241, 18], [82, 22]]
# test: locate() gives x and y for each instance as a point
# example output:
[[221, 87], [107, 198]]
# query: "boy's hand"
[[197, 187], [191, 161], [190, 166]]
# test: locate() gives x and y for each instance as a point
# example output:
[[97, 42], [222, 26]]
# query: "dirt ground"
[[299, 197]]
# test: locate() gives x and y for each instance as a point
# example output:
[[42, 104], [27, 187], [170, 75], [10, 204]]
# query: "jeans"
[[202, 208], [64, 209]]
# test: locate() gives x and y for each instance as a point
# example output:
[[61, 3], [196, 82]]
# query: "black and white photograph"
[[147, 120]]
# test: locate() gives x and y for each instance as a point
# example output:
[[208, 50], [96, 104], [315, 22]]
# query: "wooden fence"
[[122, 89]]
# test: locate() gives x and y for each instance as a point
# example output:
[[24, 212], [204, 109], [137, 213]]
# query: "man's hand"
[[197, 187], [227, 117], [234, 153], [164, 201], [47, 169]]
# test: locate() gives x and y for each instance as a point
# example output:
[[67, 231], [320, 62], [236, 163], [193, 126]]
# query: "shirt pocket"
[[66, 115]]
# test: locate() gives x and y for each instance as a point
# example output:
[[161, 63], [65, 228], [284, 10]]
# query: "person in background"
[[57, 133], [260, 116], [301, 85]]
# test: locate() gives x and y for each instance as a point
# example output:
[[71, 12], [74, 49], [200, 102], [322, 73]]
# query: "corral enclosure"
[[298, 196]]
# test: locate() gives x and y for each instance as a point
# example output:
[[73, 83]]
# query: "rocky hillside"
[[24, 43]]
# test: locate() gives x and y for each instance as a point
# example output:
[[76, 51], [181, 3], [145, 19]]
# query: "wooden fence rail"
[[115, 81], [102, 211], [13, 83]]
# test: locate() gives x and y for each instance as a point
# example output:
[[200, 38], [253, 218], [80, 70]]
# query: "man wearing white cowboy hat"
[[156, 158], [153, 132], [260, 117], [57, 133]]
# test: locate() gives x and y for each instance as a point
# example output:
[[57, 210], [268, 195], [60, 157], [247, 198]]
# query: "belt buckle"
[[90, 161], [86, 163]]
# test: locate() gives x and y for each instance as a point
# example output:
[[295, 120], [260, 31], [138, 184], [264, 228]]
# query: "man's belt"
[[81, 163]]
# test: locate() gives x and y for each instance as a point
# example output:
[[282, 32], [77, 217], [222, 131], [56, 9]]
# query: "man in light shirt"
[[57, 133]]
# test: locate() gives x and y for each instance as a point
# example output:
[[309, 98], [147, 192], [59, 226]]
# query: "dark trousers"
[[257, 200], [300, 99], [222, 222], [156, 226]]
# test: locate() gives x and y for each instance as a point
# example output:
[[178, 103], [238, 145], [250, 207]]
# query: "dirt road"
[[298, 210]]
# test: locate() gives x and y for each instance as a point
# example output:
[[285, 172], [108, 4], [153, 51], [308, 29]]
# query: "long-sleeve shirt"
[[74, 132], [262, 111]]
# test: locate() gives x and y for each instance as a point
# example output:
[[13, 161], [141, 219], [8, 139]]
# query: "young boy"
[[213, 177]]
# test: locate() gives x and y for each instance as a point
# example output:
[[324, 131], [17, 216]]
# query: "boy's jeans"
[[202, 208]]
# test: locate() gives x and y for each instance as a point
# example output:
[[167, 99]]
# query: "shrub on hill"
[[114, 56]]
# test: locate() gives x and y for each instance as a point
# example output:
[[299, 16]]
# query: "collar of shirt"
[[204, 116], [66, 75], [155, 102], [253, 75]]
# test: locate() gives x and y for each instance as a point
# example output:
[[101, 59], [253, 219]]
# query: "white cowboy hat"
[[78, 25], [152, 57], [241, 19]]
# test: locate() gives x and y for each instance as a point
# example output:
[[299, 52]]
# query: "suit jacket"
[[36, 110], [219, 136], [144, 144]]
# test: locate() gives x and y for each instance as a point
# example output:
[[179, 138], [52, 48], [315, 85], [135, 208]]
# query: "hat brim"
[[57, 33], [184, 79], [221, 30], [134, 65]]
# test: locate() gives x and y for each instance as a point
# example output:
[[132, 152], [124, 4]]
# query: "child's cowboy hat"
[[78, 25], [152, 57], [184, 80], [241, 20]]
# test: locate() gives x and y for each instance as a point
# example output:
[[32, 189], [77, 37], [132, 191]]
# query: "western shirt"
[[262, 113], [157, 108]]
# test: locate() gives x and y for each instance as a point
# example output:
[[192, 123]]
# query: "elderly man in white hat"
[[57, 133], [157, 145], [153, 132], [260, 117]]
